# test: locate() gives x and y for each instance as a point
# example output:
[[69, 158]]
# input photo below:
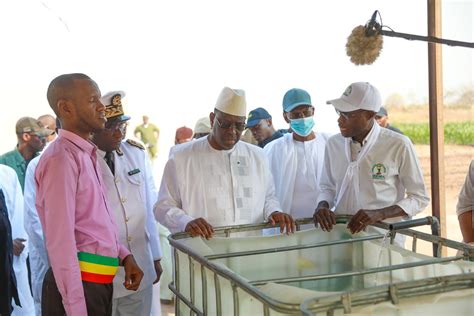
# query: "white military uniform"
[[14, 201], [296, 168], [386, 172], [39, 262], [131, 193], [225, 187]]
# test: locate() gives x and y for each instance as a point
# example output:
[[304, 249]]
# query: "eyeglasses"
[[122, 127], [348, 115], [301, 114], [239, 126]]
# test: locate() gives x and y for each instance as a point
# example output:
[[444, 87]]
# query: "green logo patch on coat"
[[379, 171]]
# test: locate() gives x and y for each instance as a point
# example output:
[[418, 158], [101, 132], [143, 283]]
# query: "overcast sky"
[[173, 57]]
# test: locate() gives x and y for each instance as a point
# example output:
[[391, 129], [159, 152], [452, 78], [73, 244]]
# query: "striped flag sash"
[[96, 268]]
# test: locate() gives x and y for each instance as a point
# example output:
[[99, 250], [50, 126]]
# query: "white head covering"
[[359, 95], [203, 125], [232, 101]]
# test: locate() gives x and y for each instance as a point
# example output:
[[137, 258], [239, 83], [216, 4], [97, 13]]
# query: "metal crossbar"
[[361, 272], [291, 248], [388, 292]]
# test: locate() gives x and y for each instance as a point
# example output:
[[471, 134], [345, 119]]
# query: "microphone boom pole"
[[373, 28], [430, 39]]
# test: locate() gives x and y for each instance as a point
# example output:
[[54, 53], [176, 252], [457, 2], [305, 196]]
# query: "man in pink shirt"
[[80, 233]]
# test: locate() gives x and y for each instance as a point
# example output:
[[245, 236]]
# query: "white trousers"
[[24, 293], [137, 303]]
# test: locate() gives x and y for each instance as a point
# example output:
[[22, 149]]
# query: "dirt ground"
[[167, 310]]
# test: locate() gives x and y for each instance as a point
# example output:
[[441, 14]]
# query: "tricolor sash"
[[97, 268]]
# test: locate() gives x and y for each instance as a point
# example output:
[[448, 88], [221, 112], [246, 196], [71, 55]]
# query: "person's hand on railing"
[[324, 216], [363, 218], [287, 223], [200, 227]]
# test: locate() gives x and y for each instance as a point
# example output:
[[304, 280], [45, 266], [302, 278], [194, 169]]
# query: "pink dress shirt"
[[73, 211]]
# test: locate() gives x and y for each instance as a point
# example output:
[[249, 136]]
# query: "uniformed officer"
[[131, 193]]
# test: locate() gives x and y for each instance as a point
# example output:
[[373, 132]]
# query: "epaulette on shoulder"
[[135, 143]]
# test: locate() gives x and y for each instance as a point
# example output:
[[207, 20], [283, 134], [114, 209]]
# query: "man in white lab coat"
[[369, 172], [296, 159], [11, 188], [217, 180], [131, 192]]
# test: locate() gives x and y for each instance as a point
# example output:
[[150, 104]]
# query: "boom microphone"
[[372, 27], [365, 42]]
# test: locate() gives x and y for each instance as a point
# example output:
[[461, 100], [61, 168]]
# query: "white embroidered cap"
[[232, 101]]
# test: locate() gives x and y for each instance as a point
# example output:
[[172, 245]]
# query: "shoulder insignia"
[[135, 143]]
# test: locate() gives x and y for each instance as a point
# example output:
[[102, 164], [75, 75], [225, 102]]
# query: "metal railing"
[[393, 291]]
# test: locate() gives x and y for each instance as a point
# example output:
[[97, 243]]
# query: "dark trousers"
[[98, 297]]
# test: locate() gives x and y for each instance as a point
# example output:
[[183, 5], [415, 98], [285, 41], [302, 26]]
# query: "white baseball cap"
[[358, 96], [232, 101]]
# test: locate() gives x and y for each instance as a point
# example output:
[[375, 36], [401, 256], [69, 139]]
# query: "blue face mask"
[[302, 126]]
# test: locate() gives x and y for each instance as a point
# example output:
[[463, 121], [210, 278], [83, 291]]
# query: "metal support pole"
[[204, 289], [176, 281], [235, 296], [435, 79], [191, 280], [217, 286], [435, 231], [413, 245]]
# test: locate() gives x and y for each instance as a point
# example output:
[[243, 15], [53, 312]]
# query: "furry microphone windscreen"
[[363, 49]]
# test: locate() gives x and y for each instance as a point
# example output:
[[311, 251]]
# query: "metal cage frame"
[[390, 292]]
